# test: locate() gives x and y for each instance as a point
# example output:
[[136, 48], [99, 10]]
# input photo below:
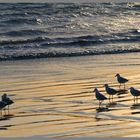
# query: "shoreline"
[[42, 56]]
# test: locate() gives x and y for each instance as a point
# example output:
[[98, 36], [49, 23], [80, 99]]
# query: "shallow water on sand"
[[54, 97]]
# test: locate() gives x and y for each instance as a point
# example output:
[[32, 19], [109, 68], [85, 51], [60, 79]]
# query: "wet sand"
[[54, 97]]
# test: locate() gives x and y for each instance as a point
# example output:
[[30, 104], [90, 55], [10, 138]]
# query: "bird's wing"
[[124, 79], [113, 90], [137, 91], [102, 97]]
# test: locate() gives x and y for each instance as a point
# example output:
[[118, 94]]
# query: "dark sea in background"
[[41, 30]]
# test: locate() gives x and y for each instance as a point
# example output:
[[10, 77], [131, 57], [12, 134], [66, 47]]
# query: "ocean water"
[[41, 30]]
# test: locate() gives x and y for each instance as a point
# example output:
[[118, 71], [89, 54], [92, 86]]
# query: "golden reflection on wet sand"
[[54, 97]]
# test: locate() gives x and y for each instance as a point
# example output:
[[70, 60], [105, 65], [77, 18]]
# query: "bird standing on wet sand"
[[100, 97], [135, 93], [7, 100], [121, 80], [110, 91]]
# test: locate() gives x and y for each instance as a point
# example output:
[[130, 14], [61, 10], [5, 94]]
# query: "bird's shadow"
[[111, 104], [6, 117], [102, 109], [135, 106], [122, 91]]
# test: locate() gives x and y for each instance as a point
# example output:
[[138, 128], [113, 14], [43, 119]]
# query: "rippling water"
[[35, 30]]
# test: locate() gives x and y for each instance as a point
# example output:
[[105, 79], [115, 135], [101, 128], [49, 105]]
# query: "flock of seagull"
[[5, 102], [111, 91]]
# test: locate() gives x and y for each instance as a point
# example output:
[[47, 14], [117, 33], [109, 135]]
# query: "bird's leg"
[[99, 104], [1, 113], [4, 111], [124, 86], [134, 100], [109, 98], [112, 98], [8, 110], [120, 86]]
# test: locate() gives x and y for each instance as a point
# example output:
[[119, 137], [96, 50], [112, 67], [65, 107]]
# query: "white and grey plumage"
[[121, 80], [135, 93], [7, 100], [100, 97], [110, 91]]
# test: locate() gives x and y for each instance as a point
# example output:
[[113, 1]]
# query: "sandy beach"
[[55, 98]]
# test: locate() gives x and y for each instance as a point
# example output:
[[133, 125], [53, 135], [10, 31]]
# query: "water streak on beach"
[[54, 97]]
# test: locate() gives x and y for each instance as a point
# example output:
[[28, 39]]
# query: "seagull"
[[100, 97], [7, 100], [110, 91], [121, 80], [135, 93], [2, 106]]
